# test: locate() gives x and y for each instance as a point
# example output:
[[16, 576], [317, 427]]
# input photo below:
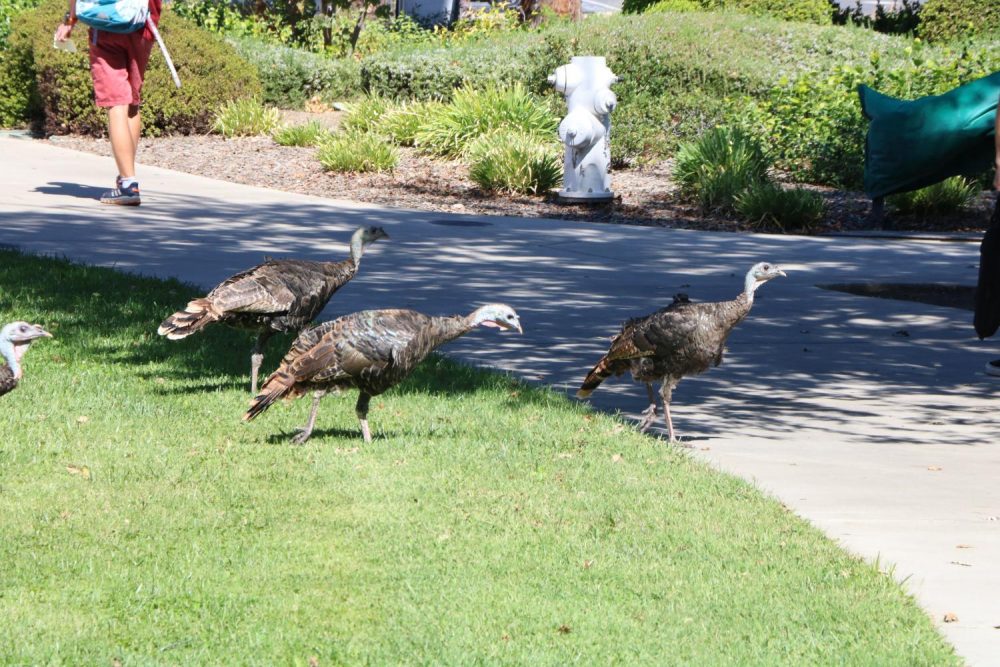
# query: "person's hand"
[[63, 31]]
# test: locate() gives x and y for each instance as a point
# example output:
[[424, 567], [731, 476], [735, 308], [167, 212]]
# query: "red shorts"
[[117, 65]]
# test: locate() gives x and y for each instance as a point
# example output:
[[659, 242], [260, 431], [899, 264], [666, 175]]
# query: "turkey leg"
[[649, 414], [666, 390], [361, 410], [307, 430], [257, 358]]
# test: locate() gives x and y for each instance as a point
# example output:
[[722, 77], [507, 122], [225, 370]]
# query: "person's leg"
[[124, 137]]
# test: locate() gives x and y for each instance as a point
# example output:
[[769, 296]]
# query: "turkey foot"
[[649, 416]]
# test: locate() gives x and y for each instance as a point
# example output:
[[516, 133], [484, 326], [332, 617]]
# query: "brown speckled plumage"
[[682, 339], [372, 350], [277, 296]]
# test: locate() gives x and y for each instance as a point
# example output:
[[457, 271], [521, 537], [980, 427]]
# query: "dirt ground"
[[645, 196]]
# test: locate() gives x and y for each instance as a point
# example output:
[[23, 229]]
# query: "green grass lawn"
[[489, 522]]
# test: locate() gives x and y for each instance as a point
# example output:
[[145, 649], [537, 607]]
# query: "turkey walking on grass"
[[682, 339], [277, 296], [15, 339], [373, 351]]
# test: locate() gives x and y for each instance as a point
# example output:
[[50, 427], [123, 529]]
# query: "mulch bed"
[[645, 196]]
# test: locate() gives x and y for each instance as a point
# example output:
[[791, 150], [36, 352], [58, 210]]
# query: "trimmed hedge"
[[435, 74], [809, 11], [58, 91], [792, 82], [945, 20], [290, 77]]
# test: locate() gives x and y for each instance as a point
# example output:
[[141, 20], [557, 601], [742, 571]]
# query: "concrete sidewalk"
[[872, 418]]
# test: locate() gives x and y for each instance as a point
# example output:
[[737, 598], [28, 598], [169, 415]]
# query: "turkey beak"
[[36, 332], [515, 325]]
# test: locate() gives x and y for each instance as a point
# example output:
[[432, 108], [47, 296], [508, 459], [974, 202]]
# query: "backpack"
[[122, 16]]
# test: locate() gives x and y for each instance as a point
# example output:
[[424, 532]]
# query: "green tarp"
[[913, 144]]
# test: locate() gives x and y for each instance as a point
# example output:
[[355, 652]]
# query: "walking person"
[[987, 318], [117, 67]]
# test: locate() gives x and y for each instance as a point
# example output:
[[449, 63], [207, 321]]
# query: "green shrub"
[[948, 196], [245, 118], [724, 162], [945, 20], [9, 9], [18, 91], [768, 206], [814, 122], [210, 72], [290, 76], [436, 73], [364, 114], [472, 113], [811, 11], [513, 161], [356, 152], [660, 6], [308, 134], [402, 123]]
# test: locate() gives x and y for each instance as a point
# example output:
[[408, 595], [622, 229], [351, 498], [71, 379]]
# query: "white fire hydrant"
[[585, 130]]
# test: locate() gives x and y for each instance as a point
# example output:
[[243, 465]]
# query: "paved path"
[[886, 441]]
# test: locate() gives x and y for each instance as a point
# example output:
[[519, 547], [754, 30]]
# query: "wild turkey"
[[682, 339], [372, 350], [15, 339], [277, 296]]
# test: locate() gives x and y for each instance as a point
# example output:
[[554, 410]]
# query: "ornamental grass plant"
[[472, 113], [247, 117], [357, 152], [515, 162], [721, 164], [948, 196], [770, 207], [307, 134]]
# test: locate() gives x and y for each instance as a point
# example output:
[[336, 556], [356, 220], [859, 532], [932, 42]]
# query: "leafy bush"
[[18, 92], [364, 115], [724, 162], [8, 10], [945, 20], [435, 74], [473, 113], [356, 152], [660, 6], [245, 118], [210, 71], [513, 161], [948, 196], [812, 11], [402, 123], [308, 134], [900, 20], [814, 122], [768, 206], [292, 76], [227, 18]]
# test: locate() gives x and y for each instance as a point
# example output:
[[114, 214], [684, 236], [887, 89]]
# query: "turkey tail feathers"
[[276, 386], [601, 372], [193, 318]]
